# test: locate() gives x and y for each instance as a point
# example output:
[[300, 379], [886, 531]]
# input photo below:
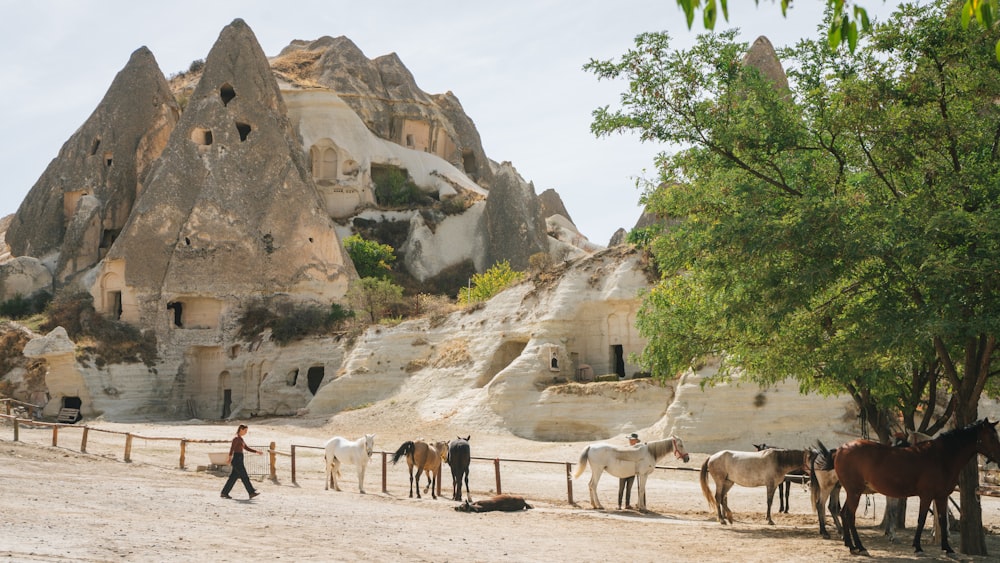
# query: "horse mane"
[[787, 457], [660, 448]]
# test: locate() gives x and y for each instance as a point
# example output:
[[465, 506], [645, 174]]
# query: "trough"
[[218, 458]]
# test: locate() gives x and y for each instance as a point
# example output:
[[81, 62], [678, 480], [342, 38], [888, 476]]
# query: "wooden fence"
[[295, 456]]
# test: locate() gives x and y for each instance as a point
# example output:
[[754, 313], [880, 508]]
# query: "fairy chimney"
[[83, 199], [230, 212]]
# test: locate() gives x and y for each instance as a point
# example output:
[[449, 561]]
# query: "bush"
[[395, 189], [291, 322], [20, 307], [374, 297], [491, 282], [371, 259]]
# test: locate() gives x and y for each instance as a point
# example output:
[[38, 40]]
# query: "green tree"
[[372, 259], [489, 283], [374, 297], [848, 21], [844, 233]]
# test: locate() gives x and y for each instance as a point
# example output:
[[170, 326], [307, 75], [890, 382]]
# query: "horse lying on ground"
[[626, 462], [785, 486], [426, 457], [340, 451], [459, 457], [765, 468], [929, 470], [502, 503]]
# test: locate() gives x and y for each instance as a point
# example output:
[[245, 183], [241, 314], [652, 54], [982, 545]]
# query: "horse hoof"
[[825, 536]]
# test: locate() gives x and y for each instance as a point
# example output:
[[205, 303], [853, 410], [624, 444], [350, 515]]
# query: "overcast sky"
[[514, 65]]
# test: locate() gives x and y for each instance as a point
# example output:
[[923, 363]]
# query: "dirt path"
[[61, 505]]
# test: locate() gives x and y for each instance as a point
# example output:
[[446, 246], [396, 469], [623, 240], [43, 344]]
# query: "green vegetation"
[[20, 307], [289, 322], [375, 298], [489, 283], [393, 188], [371, 259], [104, 340], [843, 233]]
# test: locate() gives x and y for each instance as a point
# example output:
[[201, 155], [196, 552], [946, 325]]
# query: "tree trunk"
[[973, 536]]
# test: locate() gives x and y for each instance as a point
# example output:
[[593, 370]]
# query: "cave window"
[[95, 146], [409, 140], [227, 93], [201, 136], [108, 237], [107, 158], [293, 377], [178, 309], [234, 351], [315, 376], [244, 130]]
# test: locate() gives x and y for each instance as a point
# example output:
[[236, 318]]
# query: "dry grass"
[[453, 354], [298, 67]]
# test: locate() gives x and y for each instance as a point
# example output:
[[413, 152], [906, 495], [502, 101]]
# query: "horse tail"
[[704, 485], [405, 449], [583, 462]]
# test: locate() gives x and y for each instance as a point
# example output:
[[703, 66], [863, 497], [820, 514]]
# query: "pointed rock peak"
[[762, 57], [552, 204]]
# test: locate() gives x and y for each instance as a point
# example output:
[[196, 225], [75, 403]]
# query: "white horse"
[[626, 461], [340, 451]]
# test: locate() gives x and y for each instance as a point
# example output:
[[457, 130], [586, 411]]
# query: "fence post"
[[17, 429], [128, 448], [385, 489], [274, 462], [83, 441], [183, 452], [569, 482], [496, 469], [55, 435], [293, 465]]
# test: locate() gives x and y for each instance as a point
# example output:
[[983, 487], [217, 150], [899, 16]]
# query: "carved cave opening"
[[227, 93], [315, 378], [506, 353], [243, 129]]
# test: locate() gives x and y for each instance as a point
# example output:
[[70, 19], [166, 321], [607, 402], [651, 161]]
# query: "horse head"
[[369, 444], [987, 441], [679, 451]]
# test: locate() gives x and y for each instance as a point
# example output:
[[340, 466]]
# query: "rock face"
[[230, 212], [83, 199], [762, 57], [513, 224], [24, 276], [552, 204], [385, 95]]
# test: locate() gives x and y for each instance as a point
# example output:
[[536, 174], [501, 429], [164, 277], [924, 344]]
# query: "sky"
[[516, 67]]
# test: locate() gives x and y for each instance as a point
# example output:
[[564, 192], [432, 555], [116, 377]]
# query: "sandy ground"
[[62, 505]]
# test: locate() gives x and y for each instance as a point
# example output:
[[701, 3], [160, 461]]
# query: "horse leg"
[[819, 503], [723, 500], [334, 473], [941, 506], [419, 470], [328, 480], [783, 489], [411, 482], [834, 506], [468, 493], [770, 500], [851, 538], [925, 504], [642, 492], [361, 476], [595, 476]]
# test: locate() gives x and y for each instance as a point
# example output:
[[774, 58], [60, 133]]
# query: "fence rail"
[[268, 467]]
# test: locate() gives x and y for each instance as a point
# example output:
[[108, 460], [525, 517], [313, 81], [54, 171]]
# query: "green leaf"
[[833, 35], [997, 49], [852, 36], [709, 15], [967, 14]]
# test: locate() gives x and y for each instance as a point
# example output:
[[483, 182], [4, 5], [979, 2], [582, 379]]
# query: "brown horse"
[[929, 470], [426, 457]]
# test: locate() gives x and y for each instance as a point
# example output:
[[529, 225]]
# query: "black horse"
[[459, 457]]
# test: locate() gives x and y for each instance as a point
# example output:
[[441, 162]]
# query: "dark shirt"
[[239, 446]]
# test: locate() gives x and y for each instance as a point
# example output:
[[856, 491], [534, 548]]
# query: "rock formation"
[[762, 57], [513, 222], [83, 199]]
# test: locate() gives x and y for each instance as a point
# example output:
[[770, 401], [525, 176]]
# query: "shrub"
[[371, 259], [491, 282], [20, 307], [395, 189], [291, 322], [374, 297]]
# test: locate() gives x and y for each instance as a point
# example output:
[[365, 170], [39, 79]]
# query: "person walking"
[[239, 470], [625, 483]]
